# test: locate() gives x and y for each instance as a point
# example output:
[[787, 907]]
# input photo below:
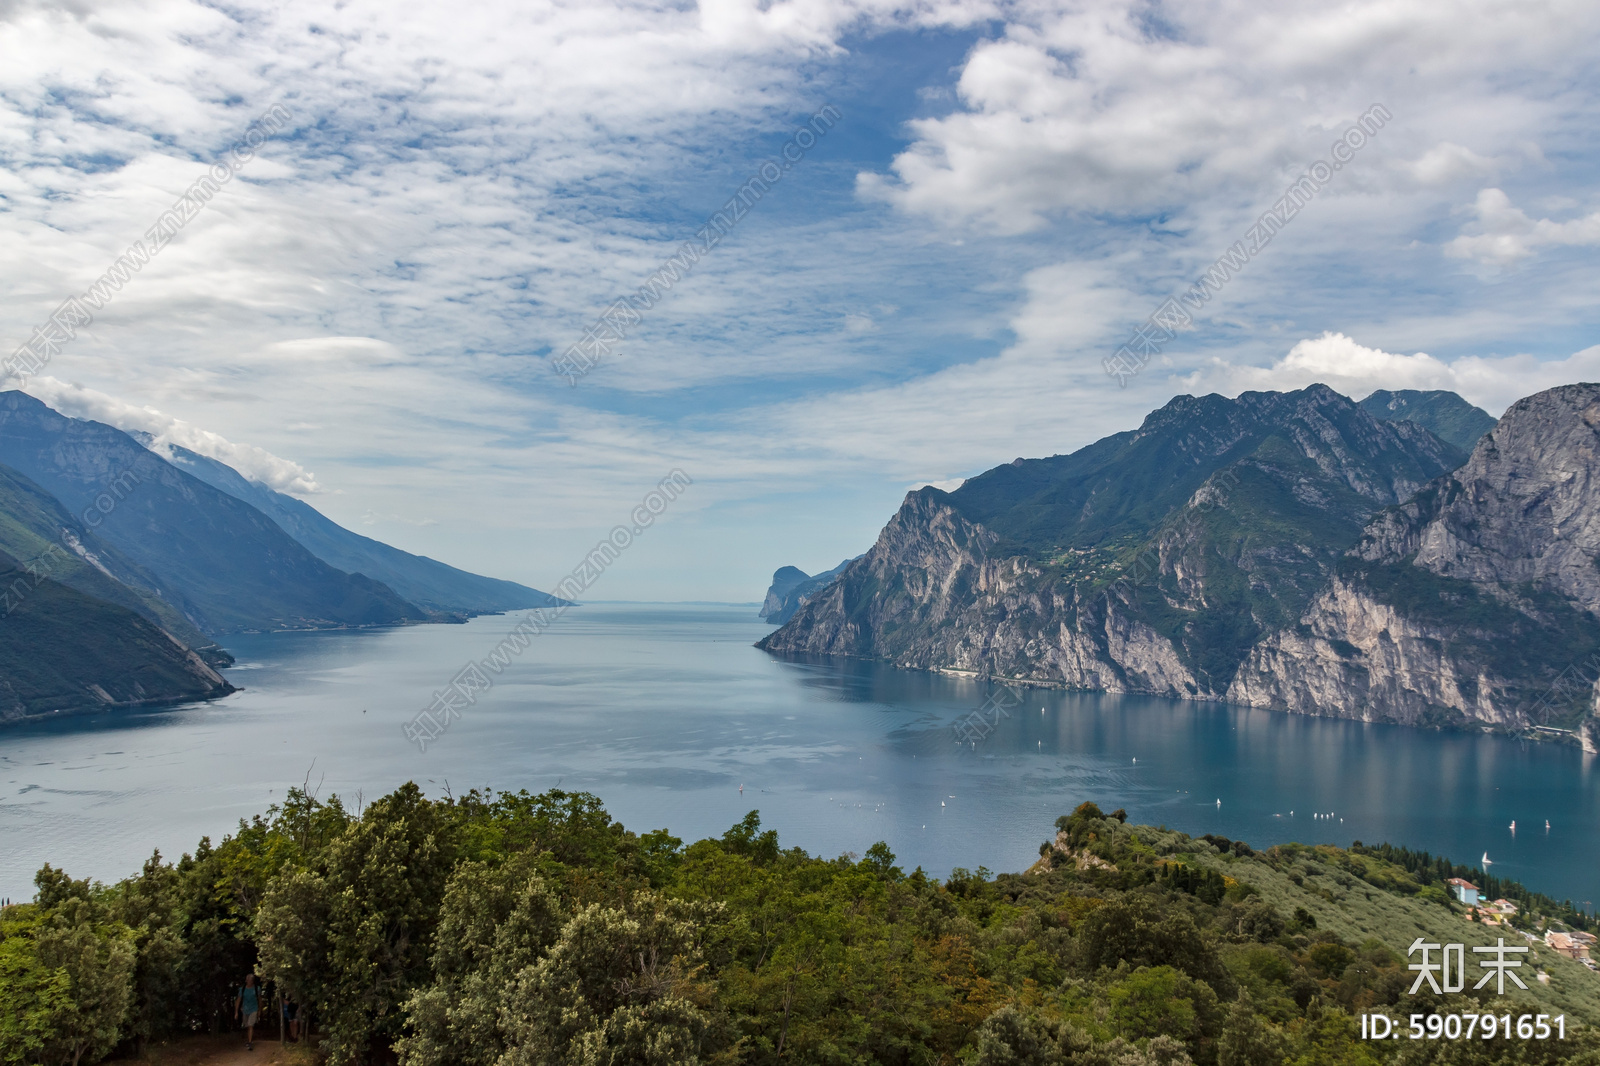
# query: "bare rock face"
[[1481, 606], [929, 596], [1311, 566], [1525, 509], [1356, 657]]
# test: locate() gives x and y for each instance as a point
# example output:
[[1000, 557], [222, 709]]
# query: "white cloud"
[[257, 464], [1445, 163], [465, 187], [1335, 360], [1117, 106], [1507, 235]]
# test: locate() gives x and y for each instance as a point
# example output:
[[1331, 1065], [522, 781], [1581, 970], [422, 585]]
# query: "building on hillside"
[[1464, 891], [1564, 944], [1499, 912]]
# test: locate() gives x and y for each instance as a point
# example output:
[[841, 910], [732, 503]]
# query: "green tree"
[[618, 986], [97, 958], [1159, 1000], [1247, 1040], [494, 925], [32, 995], [354, 931]]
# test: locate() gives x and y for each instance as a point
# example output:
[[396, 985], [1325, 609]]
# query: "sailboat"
[[1513, 825], [1486, 861]]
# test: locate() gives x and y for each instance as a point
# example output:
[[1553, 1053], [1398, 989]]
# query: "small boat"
[[1513, 825], [1485, 860], [1547, 825]]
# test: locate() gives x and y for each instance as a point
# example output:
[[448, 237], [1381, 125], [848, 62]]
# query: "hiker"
[[291, 1017], [247, 1006]]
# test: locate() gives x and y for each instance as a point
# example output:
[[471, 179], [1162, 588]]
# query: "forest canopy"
[[513, 929]]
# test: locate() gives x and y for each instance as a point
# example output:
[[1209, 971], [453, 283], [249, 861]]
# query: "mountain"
[[37, 530], [1155, 560], [226, 567], [1444, 414], [1475, 602], [64, 651], [791, 587], [420, 580]]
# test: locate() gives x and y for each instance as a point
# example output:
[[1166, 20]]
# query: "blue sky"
[[367, 314]]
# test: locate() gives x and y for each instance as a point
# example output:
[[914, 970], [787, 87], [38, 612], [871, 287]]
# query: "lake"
[[664, 711]]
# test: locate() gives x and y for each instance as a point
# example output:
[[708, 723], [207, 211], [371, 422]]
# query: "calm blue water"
[[663, 711]]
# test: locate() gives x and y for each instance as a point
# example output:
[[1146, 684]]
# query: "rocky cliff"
[[1476, 602], [1284, 550], [791, 588]]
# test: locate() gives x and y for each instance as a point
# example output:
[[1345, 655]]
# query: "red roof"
[[1463, 884]]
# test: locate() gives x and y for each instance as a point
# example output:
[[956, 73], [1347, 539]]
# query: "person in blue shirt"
[[247, 1008]]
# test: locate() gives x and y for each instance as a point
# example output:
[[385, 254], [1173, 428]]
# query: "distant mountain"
[[791, 587], [37, 530], [227, 567], [1155, 560], [64, 651], [1444, 414], [422, 581]]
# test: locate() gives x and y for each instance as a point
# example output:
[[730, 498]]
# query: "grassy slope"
[[31, 525], [1333, 889], [56, 642], [1357, 899]]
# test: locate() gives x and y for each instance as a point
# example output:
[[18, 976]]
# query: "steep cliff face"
[[1525, 509], [1474, 603], [1355, 657], [791, 588], [929, 595], [1304, 556], [1255, 500]]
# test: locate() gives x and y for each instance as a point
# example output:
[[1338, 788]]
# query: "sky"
[[369, 312]]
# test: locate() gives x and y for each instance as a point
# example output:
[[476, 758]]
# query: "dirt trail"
[[226, 1049]]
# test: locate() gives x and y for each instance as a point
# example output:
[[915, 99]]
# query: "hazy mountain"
[[64, 651], [38, 531], [422, 581], [790, 588], [1155, 560], [1444, 414], [227, 566]]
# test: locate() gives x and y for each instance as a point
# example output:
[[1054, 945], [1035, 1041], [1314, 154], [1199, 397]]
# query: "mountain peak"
[[1444, 414]]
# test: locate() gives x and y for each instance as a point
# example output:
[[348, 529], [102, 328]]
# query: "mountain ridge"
[[1212, 553], [230, 567], [426, 582]]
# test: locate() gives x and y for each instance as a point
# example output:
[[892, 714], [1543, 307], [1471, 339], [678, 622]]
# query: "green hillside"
[[230, 567], [494, 930], [1444, 414], [1120, 488], [36, 529], [63, 651]]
